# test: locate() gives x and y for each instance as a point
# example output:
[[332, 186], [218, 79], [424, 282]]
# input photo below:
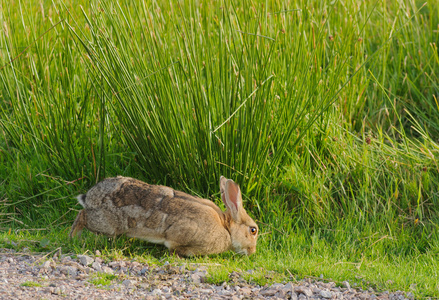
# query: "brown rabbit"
[[185, 224]]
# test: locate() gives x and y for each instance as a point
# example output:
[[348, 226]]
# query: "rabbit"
[[185, 224]]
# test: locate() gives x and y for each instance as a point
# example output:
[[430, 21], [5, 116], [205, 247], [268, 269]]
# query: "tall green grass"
[[325, 113], [223, 97]]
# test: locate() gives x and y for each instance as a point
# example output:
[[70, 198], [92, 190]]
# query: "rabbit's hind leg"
[[79, 224]]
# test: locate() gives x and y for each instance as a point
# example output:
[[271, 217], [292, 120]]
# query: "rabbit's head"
[[243, 230]]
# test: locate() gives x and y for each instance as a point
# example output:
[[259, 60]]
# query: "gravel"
[[36, 276]]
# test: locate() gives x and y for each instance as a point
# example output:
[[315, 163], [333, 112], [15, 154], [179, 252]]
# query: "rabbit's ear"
[[223, 181], [232, 199]]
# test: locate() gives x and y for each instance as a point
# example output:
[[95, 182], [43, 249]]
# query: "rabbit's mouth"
[[246, 251], [237, 247], [243, 250]]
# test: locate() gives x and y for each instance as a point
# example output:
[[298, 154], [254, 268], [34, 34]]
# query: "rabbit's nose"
[[251, 250]]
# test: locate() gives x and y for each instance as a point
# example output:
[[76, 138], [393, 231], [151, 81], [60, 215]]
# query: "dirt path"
[[26, 276]]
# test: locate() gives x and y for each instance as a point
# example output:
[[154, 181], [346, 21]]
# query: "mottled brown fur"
[[186, 224]]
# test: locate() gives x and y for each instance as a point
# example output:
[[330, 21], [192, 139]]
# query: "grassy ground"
[[326, 114]]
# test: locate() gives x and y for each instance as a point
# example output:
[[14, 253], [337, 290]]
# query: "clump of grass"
[[102, 279], [31, 284], [227, 98]]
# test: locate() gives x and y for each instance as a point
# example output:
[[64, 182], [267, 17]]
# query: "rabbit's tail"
[[81, 199]]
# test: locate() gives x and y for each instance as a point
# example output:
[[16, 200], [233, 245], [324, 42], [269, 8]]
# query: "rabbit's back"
[[125, 191], [159, 214]]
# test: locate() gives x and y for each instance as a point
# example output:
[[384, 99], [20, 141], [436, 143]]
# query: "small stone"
[[97, 252], [281, 294], [46, 265], [205, 291], [143, 271], [97, 266], [302, 297], [277, 286], [85, 260], [303, 290], [114, 264], [81, 276], [326, 294], [59, 290], [401, 297], [107, 270], [234, 276], [245, 291], [69, 270], [268, 293], [57, 254], [288, 287], [224, 293], [315, 290], [346, 284], [156, 292], [199, 277], [195, 278], [128, 282], [66, 259]]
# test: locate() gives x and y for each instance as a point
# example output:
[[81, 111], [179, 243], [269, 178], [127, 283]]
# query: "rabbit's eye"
[[253, 230]]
